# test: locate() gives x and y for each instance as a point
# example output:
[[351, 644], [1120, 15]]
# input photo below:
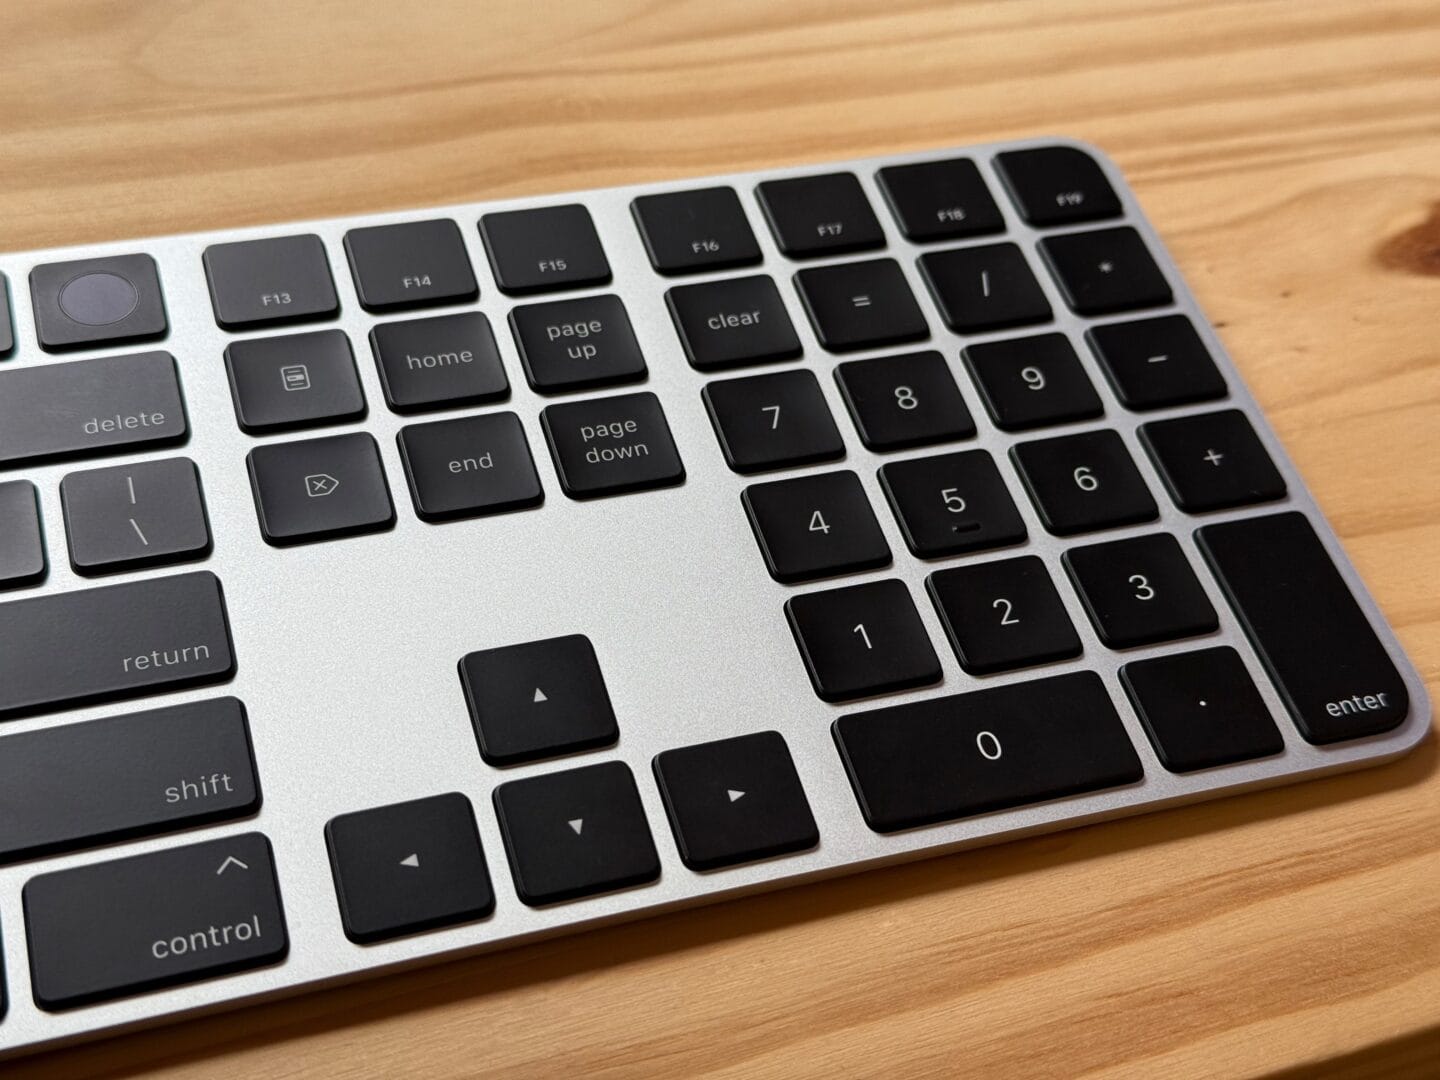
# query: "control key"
[[117, 928]]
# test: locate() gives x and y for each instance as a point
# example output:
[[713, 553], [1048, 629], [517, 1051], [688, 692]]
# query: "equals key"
[[132, 516]]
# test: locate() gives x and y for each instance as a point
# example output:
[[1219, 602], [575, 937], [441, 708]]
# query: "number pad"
[[772, 421], [815, 526], [1003, 615], [1032, 382], [1083, 482], [903, 401], [951, 504], [1140, 591], [862, 640]]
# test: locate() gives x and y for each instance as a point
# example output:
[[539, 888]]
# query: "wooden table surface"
[[1288, 151]]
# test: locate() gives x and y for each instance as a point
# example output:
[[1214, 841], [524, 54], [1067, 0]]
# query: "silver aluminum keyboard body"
[[347, 650]]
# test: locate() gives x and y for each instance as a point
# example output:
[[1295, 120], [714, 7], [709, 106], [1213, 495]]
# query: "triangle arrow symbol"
[[413, 859], [577, 824], [734, 794], [231, 860], [540, 695]]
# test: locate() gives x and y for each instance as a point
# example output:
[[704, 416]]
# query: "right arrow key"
[[734, 801]]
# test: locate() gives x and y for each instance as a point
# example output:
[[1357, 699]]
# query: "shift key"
[[86, 407], [117, 641], [77, 785], [112, 929]]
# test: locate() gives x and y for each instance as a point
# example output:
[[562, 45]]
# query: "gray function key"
[[553, 247], [78, 785], [1331, 670], [118, 928], [7, 330], [416, 264], [283, 279], [691, 231], [612, 445], [97, 301], [1057, 185], [22, 545], [89, 407], [140, 637], [131, 516], [819, 215]]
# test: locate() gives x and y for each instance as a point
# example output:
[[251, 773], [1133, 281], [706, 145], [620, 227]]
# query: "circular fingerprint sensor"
[[98, 299]]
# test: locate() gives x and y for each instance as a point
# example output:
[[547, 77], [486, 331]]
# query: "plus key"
[[1212, 462]]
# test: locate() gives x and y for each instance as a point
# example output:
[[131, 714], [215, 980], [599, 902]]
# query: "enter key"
[[1332, 671]]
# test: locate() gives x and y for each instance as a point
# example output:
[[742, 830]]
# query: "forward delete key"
[[611, 445]]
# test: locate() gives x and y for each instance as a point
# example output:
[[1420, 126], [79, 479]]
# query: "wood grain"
[[1290, 154]]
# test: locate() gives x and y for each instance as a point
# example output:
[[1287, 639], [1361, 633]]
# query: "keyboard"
[[397, 587]]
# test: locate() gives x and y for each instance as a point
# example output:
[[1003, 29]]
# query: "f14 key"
[[718, 533]]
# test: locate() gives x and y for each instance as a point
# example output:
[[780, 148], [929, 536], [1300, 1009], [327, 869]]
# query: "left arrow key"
[[118, 928]]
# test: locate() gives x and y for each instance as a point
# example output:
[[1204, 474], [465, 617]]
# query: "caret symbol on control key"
[[231, 860]]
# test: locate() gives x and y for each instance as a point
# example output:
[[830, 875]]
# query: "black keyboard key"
[[408, 867], [1212, 462], [118, 928], [1003, 615], [294, 381], [734, 801], [612, 445], [732, 323], [439, 363], [91, 302], [1201, 709], [89, 407], [576, 833], [78, 785], [772, 421], [1331, 670], [469, 466], [538, 700], [319, 489], [282, 279], [577, 344], [140, 637], [553, 247], [22, 544], [819, 215], [685, 232], [7, 345], [1032, 382], [903, 401], [414, 264], [1057, 185], [862, 640], [1140, 591], [860, 305], [1083, 482], [940, 200], [984, 288], [132, 516], [815, 526], [951, 504], [953, 757], [1105, 271], [1154, 363]]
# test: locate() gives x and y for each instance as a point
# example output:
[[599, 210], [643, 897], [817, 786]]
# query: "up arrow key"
[[540, 695], [230, 860]]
